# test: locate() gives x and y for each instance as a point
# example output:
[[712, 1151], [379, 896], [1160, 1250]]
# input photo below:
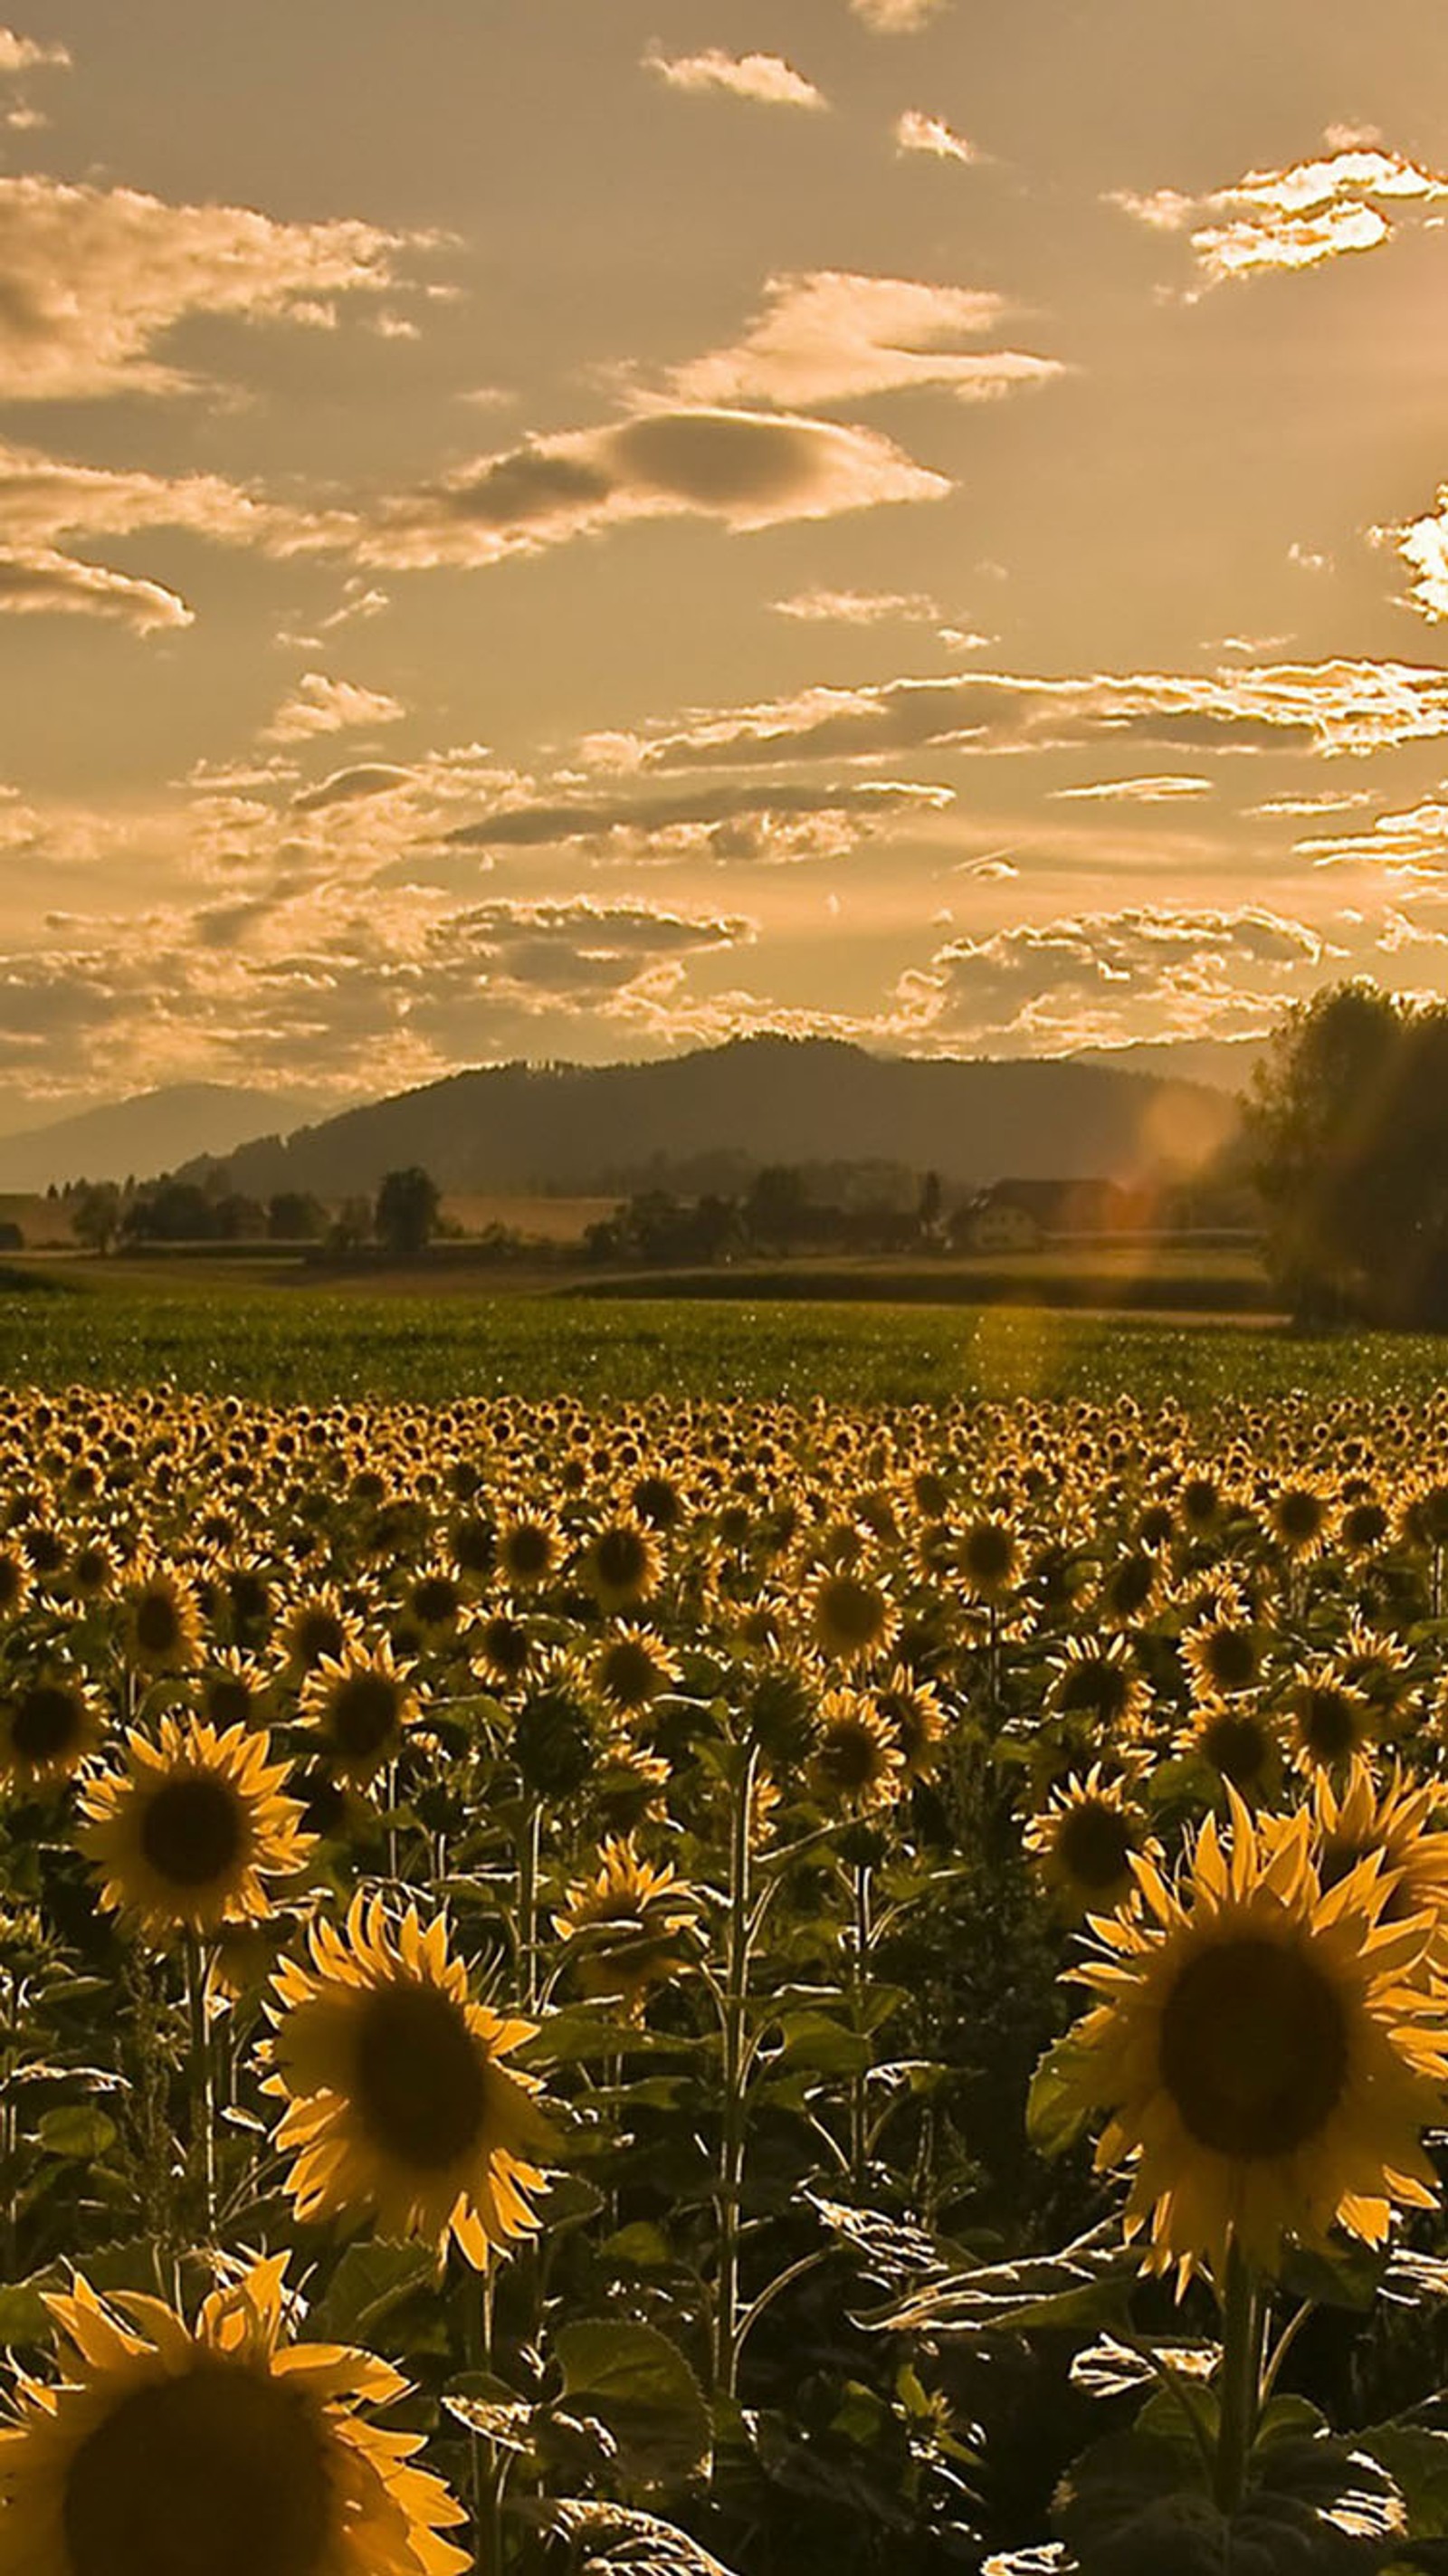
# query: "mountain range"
[[575, 1128], [150, 1133]]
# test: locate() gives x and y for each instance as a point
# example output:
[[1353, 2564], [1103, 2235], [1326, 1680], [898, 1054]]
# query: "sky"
[[575, 529]]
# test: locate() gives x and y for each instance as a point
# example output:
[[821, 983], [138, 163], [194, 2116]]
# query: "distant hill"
[[154, 1132], [1224, 1064], [771, 1099]]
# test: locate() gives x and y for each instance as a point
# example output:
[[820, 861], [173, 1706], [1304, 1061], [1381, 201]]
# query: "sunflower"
[[857, 1763], [185, 1838], [1265, 2051], [1330, 1721], [631, 1668], [1082, 1842], [361, 1706], [850, 1614], [48, 1725], [235, 1690], [161, 1623], [528, 1551], [913, 1709], [621, 1565], [988, 1558], [1240, 1743], [1396, 1821], [627, 1927], [399, 2108], [1300, 1518], [220, 2449], [1099, 1678], [316, 1630], [1223, 1654]]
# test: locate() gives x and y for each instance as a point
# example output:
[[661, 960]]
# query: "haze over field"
[[568, 531]]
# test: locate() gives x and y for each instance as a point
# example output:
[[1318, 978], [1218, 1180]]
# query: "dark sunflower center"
[[47, 1721], [192, 1831], [217, 2473], [1254, 2049], [1130, 1587], [988, 1553], [850, 1610], [229, 1700], [1095, 1687], [850, 1757], [318, 1633], [362, 1713], [528, 1551], [1093, 1842], [158, 1623], [622, 1559], [421, 2076], [435, 1600], [1235, 1746], [1231, 1657], [1299, 1515], [628, 1674], [1331, 1723]]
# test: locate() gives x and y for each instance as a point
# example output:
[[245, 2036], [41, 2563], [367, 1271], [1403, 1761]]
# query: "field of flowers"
[[717, 1983]]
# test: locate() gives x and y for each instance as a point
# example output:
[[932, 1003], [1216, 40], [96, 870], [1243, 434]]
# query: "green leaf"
[[24, 2316], [1058, 2106], [642, 2389], [1089, 2283], [1417, 2462], [369, 2282], [77, 2131], [616, 2536], [815, 2045]]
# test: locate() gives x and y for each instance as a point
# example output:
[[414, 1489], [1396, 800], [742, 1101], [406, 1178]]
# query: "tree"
[[407, 1209], [774, 1211], [294, 1216], [96, 1215], [1348, 1132]]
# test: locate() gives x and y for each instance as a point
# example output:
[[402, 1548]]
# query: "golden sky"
[[568, 528]]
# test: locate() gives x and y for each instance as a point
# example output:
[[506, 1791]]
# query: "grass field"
[[290, 1345]]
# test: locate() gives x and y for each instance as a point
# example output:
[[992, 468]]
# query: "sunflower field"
[[720, 1985]]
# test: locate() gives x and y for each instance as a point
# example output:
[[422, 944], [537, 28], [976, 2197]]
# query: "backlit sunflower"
[[1223, 1655], [621, 1565], [399, 2106], [1263, 2050], [218, 2450], [186, 1837], [161, 1626], [1240, 1742], [857, 1764], [1330, 1721], [1082, 1842], [849, 1614], [627, 1928], [48, 1725], [1099, 1677], [360, 1706], [1398, 1821], [631, 1668], [988, 1558]]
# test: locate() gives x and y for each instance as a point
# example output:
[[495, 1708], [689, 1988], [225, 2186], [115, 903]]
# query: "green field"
[[289, 1345]]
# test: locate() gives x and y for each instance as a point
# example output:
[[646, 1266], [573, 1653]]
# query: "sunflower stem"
[[1244, 2317], [734, 2079], [203, 2081], [859, 2082], [477, 2305], [529, 1844]]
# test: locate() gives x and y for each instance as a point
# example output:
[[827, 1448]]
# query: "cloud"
[[19, 54], [92, 279], [896, 17], [859, 607], [1322, 707], [319, 705], [916, 132], [1410, 843], [348, 786], [765, 78], [748, 469], [1294, 218], [41, 582], [1423, 546], [1166, 790], [773, 822], [1103, 978], [829, 335]]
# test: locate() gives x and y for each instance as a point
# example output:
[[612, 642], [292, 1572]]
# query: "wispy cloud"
[[829, 335], [897, 17], [860, 607], [93, 279], [1322, 707], [1293, 218], [773, 823], [320, 705], [1106, 977], [43, 582], [1169, 789], [764, 78], [917, 132], [748, 469]]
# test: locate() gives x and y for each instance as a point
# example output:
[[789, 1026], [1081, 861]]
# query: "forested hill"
[[776, 1100]]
